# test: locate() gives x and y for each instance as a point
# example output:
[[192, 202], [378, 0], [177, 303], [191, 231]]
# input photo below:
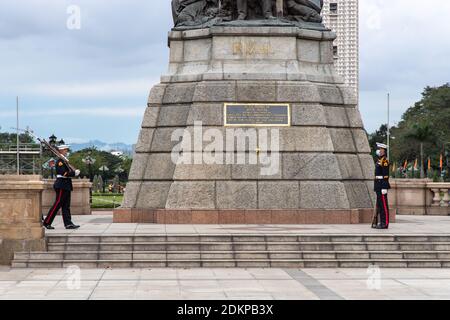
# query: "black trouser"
[[383, 208], [62, 202]]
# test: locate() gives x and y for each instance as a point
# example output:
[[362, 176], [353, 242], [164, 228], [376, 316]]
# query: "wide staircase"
[[245, 251]]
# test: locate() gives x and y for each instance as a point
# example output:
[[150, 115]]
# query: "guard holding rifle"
[[63, 188], [381, 187]]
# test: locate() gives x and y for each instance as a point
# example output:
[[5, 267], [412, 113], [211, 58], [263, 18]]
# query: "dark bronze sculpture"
[[206, 13], [243, 7], [305, 10]]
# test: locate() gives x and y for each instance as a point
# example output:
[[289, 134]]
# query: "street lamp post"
[[89, 161], [104, 169]]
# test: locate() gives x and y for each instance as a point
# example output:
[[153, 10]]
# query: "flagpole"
[[17, 136], [389, 126]]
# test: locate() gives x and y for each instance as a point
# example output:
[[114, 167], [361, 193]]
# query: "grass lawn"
[[106, 201]]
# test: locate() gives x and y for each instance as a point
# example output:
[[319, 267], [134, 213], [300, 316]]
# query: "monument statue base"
[[323, 169], [20, 216], [273, 217]]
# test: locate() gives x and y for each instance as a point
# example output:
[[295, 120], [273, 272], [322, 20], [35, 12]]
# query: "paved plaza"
[[225, 284], [101, 223], [233, 283]]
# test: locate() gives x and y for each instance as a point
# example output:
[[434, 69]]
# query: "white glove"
[[77, 173], [384, 191]]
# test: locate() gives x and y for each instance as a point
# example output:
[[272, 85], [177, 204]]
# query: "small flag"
[[441, 162], [429, 164], [415, 165]]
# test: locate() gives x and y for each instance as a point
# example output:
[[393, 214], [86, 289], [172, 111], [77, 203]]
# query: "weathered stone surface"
[[267, 168], [220, 91], [153, 195], [145, 140], [349, 95], [337, 117], [313, 166], [358, 195], [210, 114], [330, 94], [156, 94], [236, 195], [179, 93], [361, 140], [316, 195], [20, 215], [176, 51], [278, 195], [150, 117], [257, 91], [368, 166], [173, 116], [372, 194], [291, 91], [355, 118], [202, 172], [162, 141], [342, 140], [326, 52], [159, 167], [197, 50], [131, 194], [305, 139], [308, 115], [192, 195], [350, 167], [309, 51], [138, 166]]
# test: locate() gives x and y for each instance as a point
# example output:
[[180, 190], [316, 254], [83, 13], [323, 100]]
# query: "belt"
[[381, 178], [62, 177]]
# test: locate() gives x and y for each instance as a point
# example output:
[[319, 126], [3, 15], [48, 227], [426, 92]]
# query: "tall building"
[[342, 17]]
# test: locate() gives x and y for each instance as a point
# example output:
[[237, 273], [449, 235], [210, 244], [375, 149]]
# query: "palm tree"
[[421, 132]]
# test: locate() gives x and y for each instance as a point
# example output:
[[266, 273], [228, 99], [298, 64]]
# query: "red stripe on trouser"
[[386, 212], [54, 207]]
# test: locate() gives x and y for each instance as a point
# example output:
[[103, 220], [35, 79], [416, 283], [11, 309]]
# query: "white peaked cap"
[[63, 147], [381, 146]]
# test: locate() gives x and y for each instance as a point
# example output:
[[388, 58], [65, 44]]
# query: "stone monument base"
[[295, 216], [20, 211]]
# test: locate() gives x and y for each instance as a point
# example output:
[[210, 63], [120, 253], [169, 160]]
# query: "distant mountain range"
[[103, 146]]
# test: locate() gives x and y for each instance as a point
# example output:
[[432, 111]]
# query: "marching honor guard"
[[63, 188], [381, 187]]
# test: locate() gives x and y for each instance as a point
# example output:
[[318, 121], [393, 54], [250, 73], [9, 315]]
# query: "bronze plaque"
[[257, 115]]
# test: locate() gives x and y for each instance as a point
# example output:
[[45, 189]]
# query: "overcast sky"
[[93, 83]]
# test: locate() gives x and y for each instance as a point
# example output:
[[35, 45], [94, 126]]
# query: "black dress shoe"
[[72, 227], [48, 227], [382, 227]]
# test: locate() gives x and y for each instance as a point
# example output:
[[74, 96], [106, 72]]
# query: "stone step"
[[195, 255], [228, 263], [244, 238], [250, 246]]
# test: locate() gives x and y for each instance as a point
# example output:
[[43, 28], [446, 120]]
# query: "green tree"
[[424, 128], [421, 133]]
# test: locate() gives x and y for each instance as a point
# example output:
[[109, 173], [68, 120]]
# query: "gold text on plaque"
[[251, 48]]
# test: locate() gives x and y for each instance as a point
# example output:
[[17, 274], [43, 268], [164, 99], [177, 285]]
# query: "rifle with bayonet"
[[50, 148]]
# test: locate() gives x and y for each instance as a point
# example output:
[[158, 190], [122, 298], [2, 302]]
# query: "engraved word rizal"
[[251, 48]]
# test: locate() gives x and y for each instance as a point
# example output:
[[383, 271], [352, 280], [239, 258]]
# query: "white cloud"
[[130, 87], [100, 112]]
